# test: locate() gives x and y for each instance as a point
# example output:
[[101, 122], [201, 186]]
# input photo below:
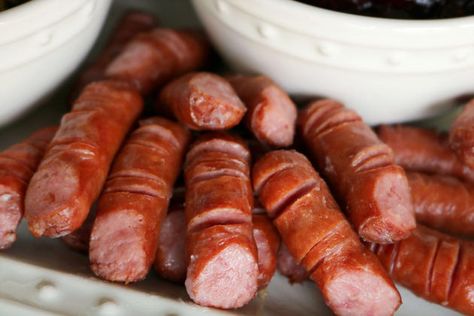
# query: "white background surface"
[[43, 277]]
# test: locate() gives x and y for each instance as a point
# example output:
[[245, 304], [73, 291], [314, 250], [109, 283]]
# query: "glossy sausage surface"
[[433, 265], [424, 150], [271, 114], [443, 203], [267, 241], [74, 168], [461, 135], [135, 199], [319, 238], [154, 57], [17, 165], [361, 170], [203, 101], [221, 251], [131, 24], [288, 267], [170, 262]]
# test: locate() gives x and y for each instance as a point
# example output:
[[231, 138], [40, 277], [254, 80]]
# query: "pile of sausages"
[[207, 194]]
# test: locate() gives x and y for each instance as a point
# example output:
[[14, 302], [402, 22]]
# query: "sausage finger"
[[318, 236], [131, 24], [152, 58], [267, 241], [362, 171], [461, 135], [134, 201], [271, 114], [221, 251], [74, 168], [424, 150], [443, 202], [203, 101], [17, 165], [433, 265]]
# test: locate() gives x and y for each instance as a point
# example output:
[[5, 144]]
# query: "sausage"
[[152, 58], [424, 150], [75, 166], [443, 202], [203, 101], [267, 241], [361, 170], [433, 265], [17, 165], [319, 237], [132, 23], [79, 239], [135, 199], [271, 114], [461, 135], [170, 261], [288, 267], [223, 269]]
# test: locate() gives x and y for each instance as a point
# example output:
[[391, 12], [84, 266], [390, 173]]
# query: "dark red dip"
[[399, 9]]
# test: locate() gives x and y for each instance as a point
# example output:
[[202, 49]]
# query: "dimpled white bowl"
[[41, 43], [388, 70]]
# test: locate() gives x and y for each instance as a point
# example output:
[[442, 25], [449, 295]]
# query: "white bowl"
[[388, 70], [41, 43]]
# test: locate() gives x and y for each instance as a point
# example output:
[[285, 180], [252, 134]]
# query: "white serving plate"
[[44, 277]]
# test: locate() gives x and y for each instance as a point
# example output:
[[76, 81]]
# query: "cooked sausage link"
[[221, 251], [135, 199], [443, 202], [271, 114], [152, 58], [131, 24], [267, 241], [288, 266], [433, 265], [17, 165], [170, 261], [424, 150], [79, 239], [461, 135], [361, 170], [319, 237], [74, 168], [203, 101]]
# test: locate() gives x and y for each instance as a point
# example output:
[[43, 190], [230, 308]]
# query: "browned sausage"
[[318, 236], [221, 252], [135, 199], [17, 165], [74, 168], [361, 170], [435, 266], [132, 23], [288, 267], [271, 114], [267, 241], [170, 261], [424, 150], [203, 101], [461, 135], [79, 239], [152, 58], [443, 202]]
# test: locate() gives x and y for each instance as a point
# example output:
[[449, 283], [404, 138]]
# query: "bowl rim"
[[317, 23], [25, 20], [387, 22]]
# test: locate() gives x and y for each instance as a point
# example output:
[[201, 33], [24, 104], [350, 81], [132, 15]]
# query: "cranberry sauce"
[[399, 9]]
